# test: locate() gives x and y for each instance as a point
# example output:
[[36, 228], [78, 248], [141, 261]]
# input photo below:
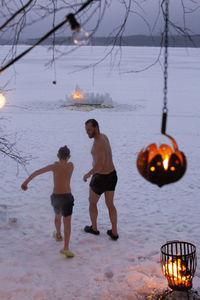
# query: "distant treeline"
[[134, 40]]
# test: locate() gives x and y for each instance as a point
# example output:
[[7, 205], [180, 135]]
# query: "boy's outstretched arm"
[[24, 185]]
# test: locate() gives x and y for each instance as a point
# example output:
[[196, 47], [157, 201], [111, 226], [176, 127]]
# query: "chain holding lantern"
[[164, 164]]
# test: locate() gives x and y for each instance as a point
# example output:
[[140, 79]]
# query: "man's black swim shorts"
[[62, 204], [101, 183]]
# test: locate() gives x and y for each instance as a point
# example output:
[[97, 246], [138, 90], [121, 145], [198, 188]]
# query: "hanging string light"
[[80, 40], [79, 35], [164, 164]]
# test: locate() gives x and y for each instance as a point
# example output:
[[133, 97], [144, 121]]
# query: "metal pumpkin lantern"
[[161, 165], [164, 164]]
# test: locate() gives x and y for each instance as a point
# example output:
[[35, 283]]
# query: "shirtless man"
[[61, 199], [104, 178]]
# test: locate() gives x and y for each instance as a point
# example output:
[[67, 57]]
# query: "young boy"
[[62, 200]]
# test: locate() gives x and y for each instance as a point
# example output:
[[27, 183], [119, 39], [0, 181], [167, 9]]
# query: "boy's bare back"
[[62, 172]]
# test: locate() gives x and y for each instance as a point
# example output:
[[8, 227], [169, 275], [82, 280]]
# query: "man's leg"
[[109, 196], [93, 199], [57, 222], [67, 231]]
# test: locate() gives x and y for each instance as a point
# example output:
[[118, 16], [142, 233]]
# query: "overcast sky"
[[149, 10]]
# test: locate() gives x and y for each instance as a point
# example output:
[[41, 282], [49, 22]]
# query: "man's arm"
[[99, 163], [34, 174]]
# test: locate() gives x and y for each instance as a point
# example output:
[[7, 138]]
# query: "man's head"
[[92, 128], [63, 153]]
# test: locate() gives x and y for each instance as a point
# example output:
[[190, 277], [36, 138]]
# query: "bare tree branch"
[[9, 149], [54, 29], [21, 10]]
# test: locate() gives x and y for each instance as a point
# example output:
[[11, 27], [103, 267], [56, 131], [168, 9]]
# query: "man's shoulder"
[[104, 139], [101, 144], [103, 135]]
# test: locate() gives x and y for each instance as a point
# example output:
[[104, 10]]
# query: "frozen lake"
[[148, 216]]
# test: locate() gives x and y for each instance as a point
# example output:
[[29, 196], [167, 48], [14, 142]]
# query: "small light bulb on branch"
[[79, 35]]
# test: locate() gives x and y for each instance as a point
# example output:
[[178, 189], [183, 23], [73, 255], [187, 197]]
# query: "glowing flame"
[[2, 101], [165, 162], [177, 272], [77, 94]]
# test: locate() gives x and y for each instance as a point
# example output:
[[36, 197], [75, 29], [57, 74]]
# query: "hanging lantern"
[[164, 164], [161, 165]]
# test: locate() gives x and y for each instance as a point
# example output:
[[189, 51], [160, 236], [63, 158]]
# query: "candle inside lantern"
[[2, 100], [165, 162]]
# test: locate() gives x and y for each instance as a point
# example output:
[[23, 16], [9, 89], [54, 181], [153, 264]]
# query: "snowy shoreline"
[[31, 266]]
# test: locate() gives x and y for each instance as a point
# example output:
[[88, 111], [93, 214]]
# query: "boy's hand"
[[24, 186]]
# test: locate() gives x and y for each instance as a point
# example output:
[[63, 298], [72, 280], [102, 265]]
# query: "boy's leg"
[[67, 231], [57, 222]]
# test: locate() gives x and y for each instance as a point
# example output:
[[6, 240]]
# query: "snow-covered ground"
[[31, 266]]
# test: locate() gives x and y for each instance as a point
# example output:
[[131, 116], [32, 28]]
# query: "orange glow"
[[77, 94], [2, 101], [152, 169], [164, 150], [176, 272]]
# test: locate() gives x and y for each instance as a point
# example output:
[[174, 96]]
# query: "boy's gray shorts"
[[62, 204]]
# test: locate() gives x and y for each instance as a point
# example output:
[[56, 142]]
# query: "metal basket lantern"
[[178, 261]]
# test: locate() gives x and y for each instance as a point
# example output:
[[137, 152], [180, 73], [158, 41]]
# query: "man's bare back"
[[101, 148]]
